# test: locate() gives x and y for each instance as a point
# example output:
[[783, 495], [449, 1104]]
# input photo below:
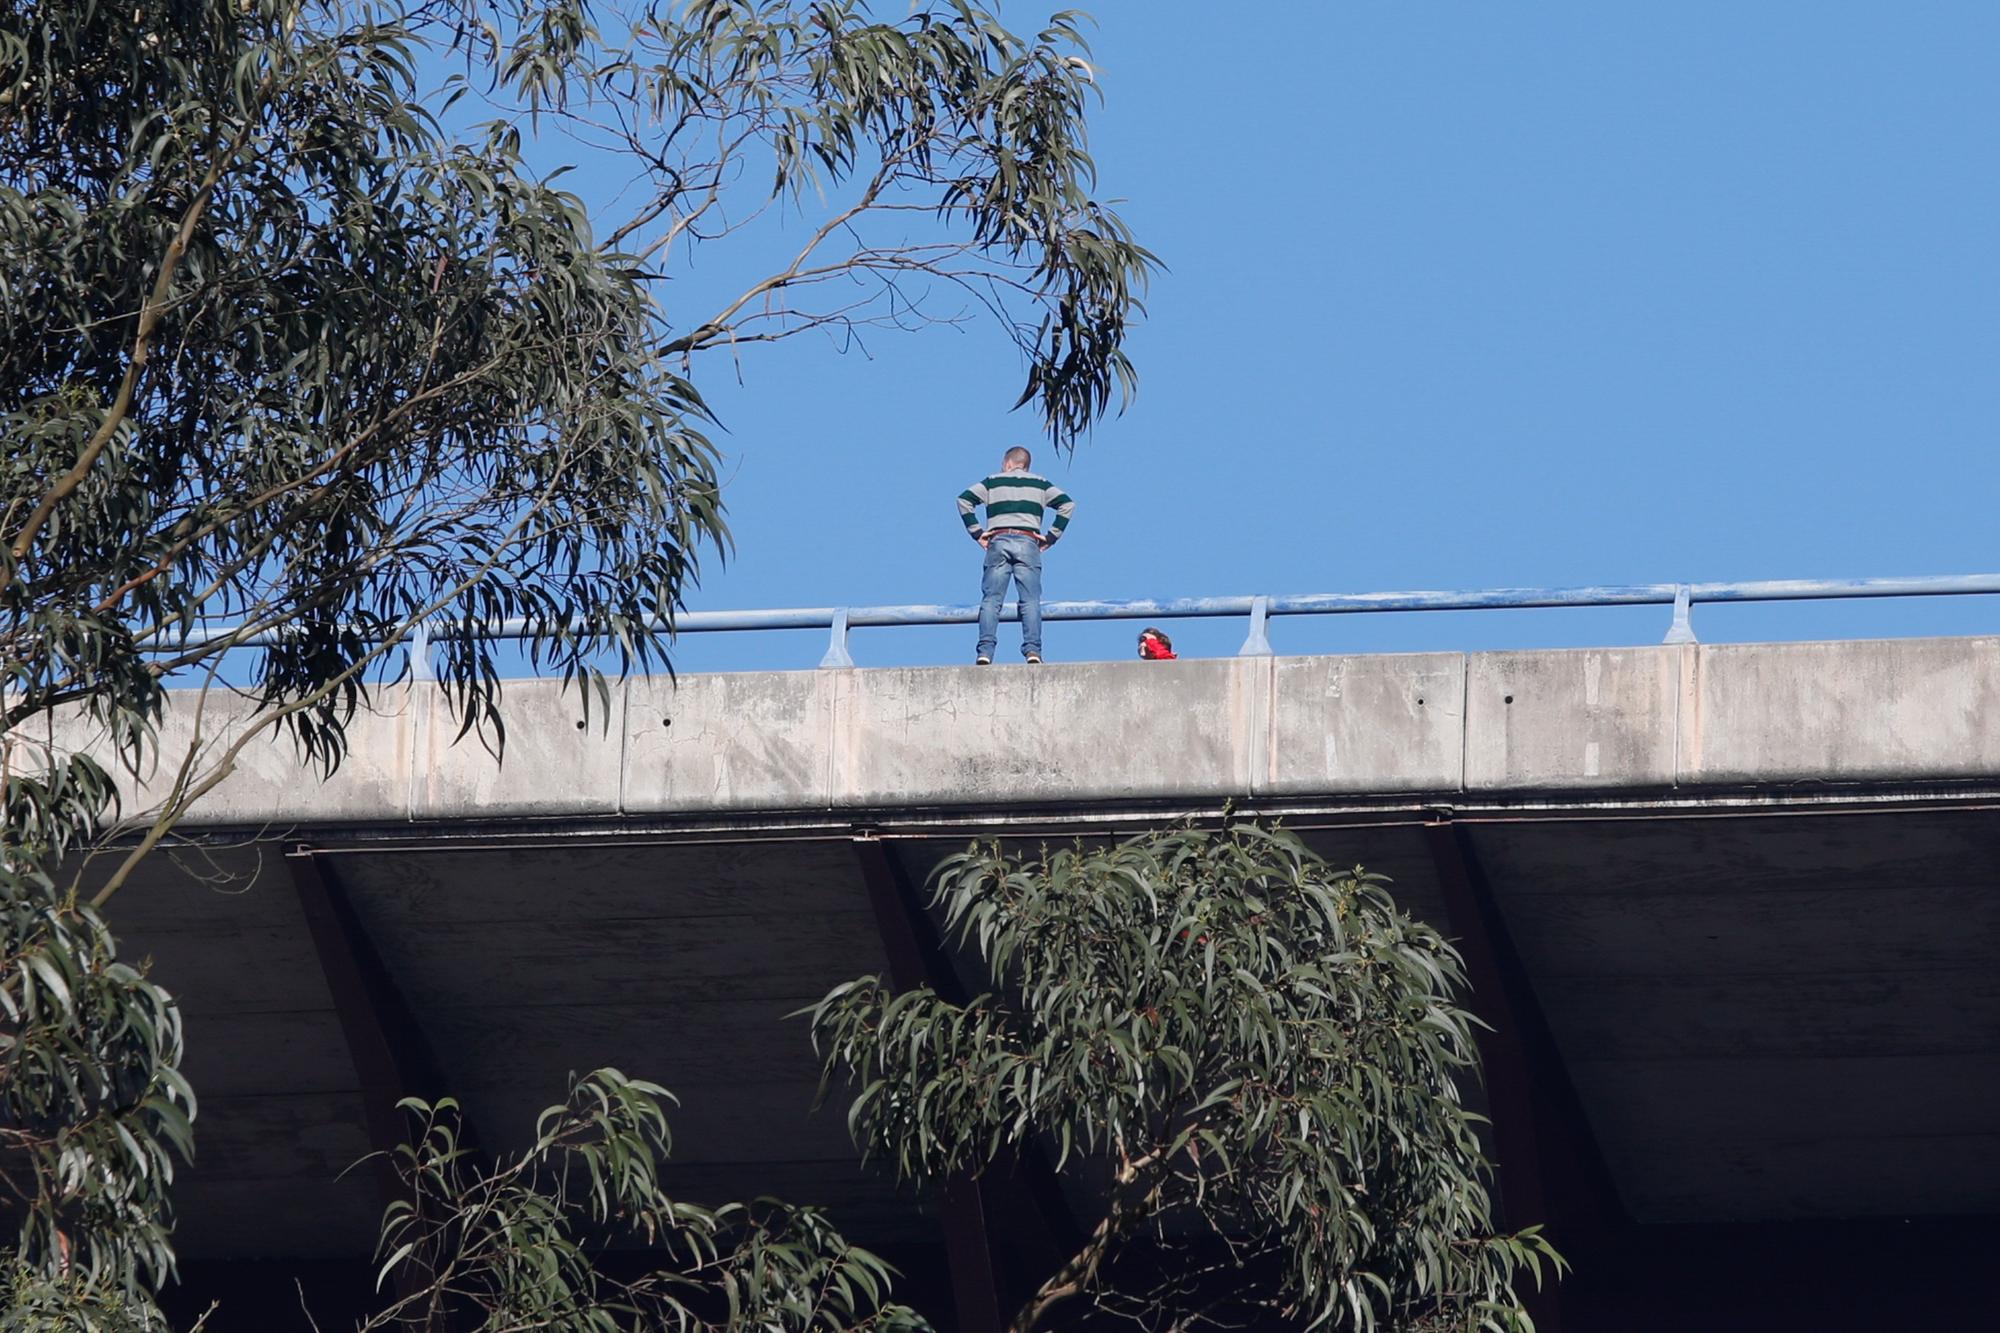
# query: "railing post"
[[1680, 631], [836, 647], [420, 653], [1258, 642]]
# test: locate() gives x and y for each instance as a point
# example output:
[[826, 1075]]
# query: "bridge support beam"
[[916, 958], [391, 1058], [1548, 1165]]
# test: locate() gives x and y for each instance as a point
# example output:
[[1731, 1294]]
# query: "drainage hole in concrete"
[[1508, 699]]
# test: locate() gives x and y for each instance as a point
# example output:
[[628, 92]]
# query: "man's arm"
[[968, 499], [1064, 507]]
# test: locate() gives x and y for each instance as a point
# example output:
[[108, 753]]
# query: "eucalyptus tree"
[[1255, 1054], [517, 1244], [301, 349]]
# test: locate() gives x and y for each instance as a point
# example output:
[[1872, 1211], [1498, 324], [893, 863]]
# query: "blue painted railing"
[[1682, 597]]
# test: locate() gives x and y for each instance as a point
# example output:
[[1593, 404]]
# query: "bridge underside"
[[1779, 1019], [1729, 910]]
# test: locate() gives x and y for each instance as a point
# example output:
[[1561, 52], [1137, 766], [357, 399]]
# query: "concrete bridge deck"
[[1749, 894], [1483, 727]]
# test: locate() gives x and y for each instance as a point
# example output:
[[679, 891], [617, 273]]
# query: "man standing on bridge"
[[1015, 499]]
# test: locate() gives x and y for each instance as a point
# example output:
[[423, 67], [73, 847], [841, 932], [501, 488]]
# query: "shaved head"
[[1017, 457]]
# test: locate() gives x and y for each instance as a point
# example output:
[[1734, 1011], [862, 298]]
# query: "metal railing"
[[1257, 643], [1682, 597]]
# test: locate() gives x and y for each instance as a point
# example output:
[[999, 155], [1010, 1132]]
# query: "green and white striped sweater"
[[1014, 503]]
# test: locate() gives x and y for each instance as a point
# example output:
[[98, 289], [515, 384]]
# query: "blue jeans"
[[1017, 557]]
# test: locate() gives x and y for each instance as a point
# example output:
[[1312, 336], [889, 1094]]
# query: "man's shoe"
[[982, 661], [1034, 659]]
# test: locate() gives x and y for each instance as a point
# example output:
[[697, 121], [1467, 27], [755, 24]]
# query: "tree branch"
[[149, 319]]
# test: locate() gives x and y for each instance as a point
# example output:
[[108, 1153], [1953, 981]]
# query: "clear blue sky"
[[1461, 295]]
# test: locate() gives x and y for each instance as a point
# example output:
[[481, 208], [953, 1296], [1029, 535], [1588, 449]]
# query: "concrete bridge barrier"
[[1687, 718]]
